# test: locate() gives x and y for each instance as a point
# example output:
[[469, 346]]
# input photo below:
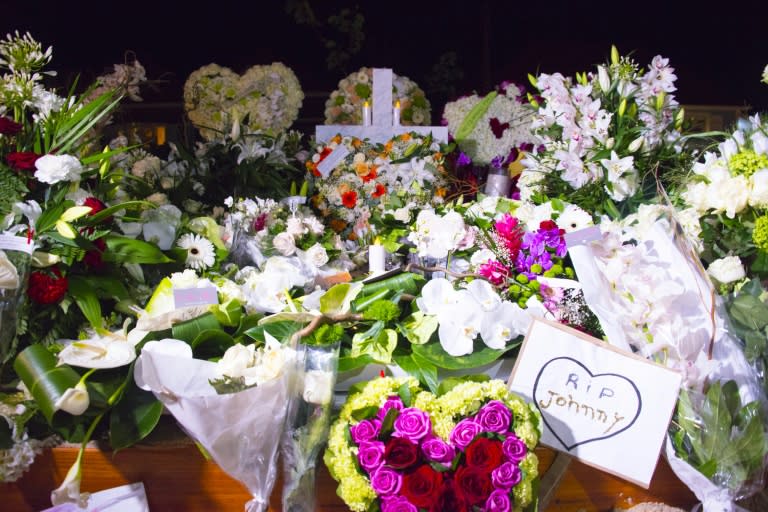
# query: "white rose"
[[732, 195], [727, 270], [758, 192], [295, 227], [236, 360], [403, 214], [315, 226], [52, 169], [75, 400], [284, 244], [316, 256], [318, 387], [269, 366]]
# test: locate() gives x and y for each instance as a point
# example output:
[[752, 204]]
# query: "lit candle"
[[396, 114], [366, 114], [376, 258], [160, 135]]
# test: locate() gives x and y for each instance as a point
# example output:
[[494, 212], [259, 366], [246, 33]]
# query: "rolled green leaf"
[[46, 381]]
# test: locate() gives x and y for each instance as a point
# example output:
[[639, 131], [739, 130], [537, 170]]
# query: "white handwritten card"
[[606, 407]]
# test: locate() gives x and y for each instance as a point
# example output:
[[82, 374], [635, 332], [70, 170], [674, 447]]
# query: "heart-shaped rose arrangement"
[[264, 98], [399, 448]]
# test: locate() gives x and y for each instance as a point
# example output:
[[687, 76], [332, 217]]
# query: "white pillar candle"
[[366, 114], [377, 256], [396, 114]]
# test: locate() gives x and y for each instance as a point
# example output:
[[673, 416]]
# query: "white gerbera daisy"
[[574, 218], [200, 251]]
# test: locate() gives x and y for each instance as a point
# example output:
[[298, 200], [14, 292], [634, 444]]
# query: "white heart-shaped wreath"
[[264, 98]]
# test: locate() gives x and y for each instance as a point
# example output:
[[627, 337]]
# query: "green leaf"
[[211, 344], [473, 117], [404, 392], [338, 298], [379, 345], [50, 215], [406, 282], [365, 413], [418, 328], [191, 329], [749, 311], [481, 355], [86, 299], [46, 381], [128, 250], [98, 218], [451, 382], [229, 313], [348, 363], [282, 330], [134, 417], [420, 368]]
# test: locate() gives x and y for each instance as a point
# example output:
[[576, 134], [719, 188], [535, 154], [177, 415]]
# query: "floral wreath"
[[411, 449], [345, 104], [264, 98]]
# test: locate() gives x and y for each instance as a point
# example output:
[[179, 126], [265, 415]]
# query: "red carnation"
[[22, 160], [484, 453], [421, 486], [473, 484], [96, 206], [349, 199], [548, 225], [93, 258], [400, 453], [9, 126], [47, 287]]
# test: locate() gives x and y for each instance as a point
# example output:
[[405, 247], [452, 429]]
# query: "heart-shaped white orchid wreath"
[[264, 98]]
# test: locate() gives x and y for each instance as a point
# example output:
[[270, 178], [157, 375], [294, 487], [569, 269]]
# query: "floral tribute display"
[[377, 182], [345, 104], [606, 135], [264, 98], [396, 447]]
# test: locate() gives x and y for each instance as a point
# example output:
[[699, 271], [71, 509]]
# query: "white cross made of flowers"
[[382, 128]]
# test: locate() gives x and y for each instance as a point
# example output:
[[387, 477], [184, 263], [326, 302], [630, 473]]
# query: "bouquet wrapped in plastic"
[[651, 295], [235, 409]]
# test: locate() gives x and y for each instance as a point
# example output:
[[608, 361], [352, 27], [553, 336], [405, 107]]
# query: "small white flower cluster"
[[436, 236], [504, 126], [735, 177], [345, 104], [217, 99], [577, 125], [254, 365]]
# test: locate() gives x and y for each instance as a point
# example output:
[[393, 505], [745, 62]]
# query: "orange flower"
[[441, 191], [380, 190], [349, 199], [405, 137], [344, 188], [371, 174], [337, 225], [356, 143], [336, 139]]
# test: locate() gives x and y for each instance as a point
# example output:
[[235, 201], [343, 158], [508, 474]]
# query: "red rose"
[[473, 484], [22, 160], [47, 287], [421, 485], [399, 453], [484, 453], [449, 499], [9, 126], [92, 258]]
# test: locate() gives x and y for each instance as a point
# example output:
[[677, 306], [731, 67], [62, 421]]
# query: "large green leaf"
[[128, 250], [420, 368], [97, 218], [378, 344], [480, 356], [211, 344], [134, 417], [474, 116], [349, 363], [749, 311], [37, 368], [406, 282], [282, 330], [86, 299], [188, 331], [418, 328], [337, 300]]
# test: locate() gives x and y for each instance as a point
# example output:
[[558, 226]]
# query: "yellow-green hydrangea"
[[760, 233], [747, 162], [523, 493]]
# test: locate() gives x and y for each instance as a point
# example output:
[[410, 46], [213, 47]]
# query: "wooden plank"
[[178, 478]]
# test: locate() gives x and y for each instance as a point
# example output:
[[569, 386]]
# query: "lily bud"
[[660, 100], [679, 118], [622, 107], [636, 144], [65, 230], [235, 133], [603, 79], [609, 143], [581, 78], [614, 54], [104, 167], [532, 100], [632, 110], [304, 189], [75, 400], [75, 213], [533, 80], [44, 259]]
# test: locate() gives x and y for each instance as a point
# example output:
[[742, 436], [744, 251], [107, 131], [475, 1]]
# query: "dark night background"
[[718, 50]]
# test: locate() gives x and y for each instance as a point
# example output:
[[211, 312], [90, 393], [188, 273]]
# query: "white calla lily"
[[75, 400], [111, 350]]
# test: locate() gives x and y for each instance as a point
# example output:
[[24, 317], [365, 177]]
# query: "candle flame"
[[397, 104], [366, 104], [377, 241]]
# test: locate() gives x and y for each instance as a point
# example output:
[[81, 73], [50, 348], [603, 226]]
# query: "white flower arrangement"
[[217, 99], [345, 104]]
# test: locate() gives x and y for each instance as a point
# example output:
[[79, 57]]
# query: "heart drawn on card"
[[264, 98], [579, 406]]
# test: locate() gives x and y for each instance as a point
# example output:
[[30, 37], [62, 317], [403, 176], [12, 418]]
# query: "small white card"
[[606, 407], [330, 162], [187, 297], [126, 498]]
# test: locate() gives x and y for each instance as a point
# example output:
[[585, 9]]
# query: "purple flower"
[[437, 450], [412, 424], [370, 455], [386, 482], [494, 417], [514, 449], [498, 501], [464, 432], [366, 430], [393, 402], [506, 476], [397, 504], [463, 159]]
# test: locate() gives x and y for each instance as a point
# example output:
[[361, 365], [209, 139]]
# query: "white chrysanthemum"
[[200, 251]]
